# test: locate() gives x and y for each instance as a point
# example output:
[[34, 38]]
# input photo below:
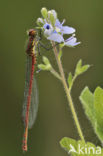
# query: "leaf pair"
[[79, 148], [46, 66], [93, 106], [80, 69]]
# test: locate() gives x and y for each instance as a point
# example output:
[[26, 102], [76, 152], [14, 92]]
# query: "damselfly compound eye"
[[32, 33]]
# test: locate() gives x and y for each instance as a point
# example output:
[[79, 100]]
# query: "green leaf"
[[93, 105], [61, 45], [81, 69], [44, 67], [70, 80], [98, 103], [99, 132], [67, 144], [79, 64], [87, 100], [84, 68], [60, 54], [46, 60], [78, 67], [79, 148]]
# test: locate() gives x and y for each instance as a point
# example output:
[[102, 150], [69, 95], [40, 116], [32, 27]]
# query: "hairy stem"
[[55, 74], [68, 93], [75, 76]]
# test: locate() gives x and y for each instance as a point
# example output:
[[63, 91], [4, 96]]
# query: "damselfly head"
[[32, 32]]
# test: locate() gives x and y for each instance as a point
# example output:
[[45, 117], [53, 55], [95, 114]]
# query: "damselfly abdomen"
[[30, 105]]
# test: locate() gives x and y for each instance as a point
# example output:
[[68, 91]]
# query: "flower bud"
[[44, 12], [52, 15], [51, 18], [39, 21]]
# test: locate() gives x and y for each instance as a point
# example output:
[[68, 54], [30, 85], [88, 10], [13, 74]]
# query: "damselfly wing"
[[30, 105], [34, 96]]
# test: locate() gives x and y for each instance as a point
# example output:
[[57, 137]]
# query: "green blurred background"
[[54, 119]]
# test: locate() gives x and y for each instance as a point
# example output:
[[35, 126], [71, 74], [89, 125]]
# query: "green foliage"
[[70, 77], [60, 54], [98, 104], [87, 99], [46, 65], [46, 60], [78, 66], [93, 105], [78, 70], [79, 148], [81, 69]]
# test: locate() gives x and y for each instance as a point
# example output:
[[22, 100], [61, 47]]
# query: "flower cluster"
[[54, 30]]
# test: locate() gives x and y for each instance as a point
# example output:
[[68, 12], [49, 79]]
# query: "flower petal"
[[56, 38], [47, 26], [48, 29], [71, 42], [48, 32], [58, 24], [67, 30]]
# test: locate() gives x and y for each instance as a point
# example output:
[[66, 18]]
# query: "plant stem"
[[68, 93], [75, 76], [55, 74]]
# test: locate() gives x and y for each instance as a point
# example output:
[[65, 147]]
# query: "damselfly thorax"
[[32, 42]]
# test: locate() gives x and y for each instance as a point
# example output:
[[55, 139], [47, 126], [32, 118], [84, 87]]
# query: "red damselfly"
[[30, 105]]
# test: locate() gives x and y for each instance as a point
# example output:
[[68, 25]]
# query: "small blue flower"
[[71, 41], [48, 29], [47, 26], [52, 33], [64, 29], [55, 33], [56, 37]]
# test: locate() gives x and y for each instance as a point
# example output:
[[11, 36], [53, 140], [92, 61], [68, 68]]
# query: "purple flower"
[[52, 34], [71, 41], [47, 26], [56, 37], [48, 29], [64, 29], [56, 33]]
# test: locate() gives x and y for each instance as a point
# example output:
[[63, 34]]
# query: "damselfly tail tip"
[[24, 143], [24, 148]]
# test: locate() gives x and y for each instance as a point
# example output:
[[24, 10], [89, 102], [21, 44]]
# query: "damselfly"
[[30, 105]]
